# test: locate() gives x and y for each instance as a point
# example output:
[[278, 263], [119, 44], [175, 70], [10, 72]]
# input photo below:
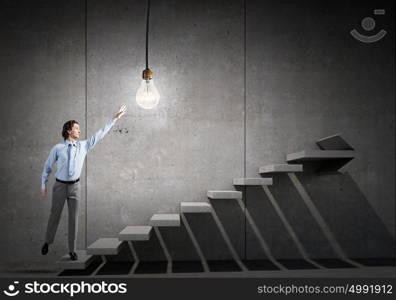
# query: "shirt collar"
[[67, 143]]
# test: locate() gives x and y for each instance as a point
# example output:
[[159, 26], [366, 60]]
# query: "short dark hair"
[[68, 126]]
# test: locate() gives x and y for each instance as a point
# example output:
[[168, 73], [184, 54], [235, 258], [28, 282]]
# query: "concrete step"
[[165, 220], [195, 207], [333, 142], [280, 168], [318, 155], [105, 246], [135, 233], [81, 263], [252, 181], [224, 195]]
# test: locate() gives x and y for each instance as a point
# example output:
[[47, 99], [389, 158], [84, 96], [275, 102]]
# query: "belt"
[[68, 182]]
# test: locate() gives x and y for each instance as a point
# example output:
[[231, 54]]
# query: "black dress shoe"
[[44, 249], [73, 255]]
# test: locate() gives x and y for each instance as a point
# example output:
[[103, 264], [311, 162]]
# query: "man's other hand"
[[43, 193], [120, 112]]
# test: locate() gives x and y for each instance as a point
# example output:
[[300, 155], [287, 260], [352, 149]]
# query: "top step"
[[195, 207], [252, 181], [135, 233], [224, 195], [318, 155], [81, 263], [165, 220], [333, 142], [105, 246], [280, 168]]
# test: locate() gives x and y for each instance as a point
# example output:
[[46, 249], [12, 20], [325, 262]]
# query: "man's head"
[[71, 129]]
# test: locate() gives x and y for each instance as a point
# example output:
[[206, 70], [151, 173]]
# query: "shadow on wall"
[[208, 236], [269, 226], [345, 210], [273, 230], [348, 213]]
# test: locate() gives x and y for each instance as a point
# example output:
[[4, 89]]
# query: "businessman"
[[69, 155]]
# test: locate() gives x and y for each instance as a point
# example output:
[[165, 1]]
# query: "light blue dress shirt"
[[59, 154]]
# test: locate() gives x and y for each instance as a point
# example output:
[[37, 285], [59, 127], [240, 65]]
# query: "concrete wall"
[[306, 78], [41, 87]]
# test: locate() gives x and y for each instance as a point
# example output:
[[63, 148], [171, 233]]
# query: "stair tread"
[[334, 142], [317, 155], [252, 181], [104, 246], [224, 194], [280, 168], [135, 233], [81, 263], [165, 220], [195, 207]]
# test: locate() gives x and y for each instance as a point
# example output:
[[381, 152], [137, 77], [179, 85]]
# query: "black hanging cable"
[[244, 114], [147, 31]]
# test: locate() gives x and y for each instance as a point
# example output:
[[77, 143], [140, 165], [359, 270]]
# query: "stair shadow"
[[86, 272], [119, 264], [115, 268], [296, 264], [178, 242], [270, 226], [187, 267], [151, 267], [260, 265], [346, 210], [377, 262], [124, 254], [326, 165], [233, 220], [152, 259], [223, 266], [150, 250], [296, 212], [211, 242], [181, 249], [333, 263]]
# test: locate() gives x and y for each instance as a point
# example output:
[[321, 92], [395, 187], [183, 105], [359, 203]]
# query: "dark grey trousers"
[[60, 193]]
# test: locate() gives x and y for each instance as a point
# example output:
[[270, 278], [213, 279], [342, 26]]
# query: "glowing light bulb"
[[147, 95]]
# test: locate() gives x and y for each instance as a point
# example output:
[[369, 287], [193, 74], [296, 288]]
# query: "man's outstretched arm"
[[93, 140]]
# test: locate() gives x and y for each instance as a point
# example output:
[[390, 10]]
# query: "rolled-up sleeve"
[[49, 163], [93, 140]]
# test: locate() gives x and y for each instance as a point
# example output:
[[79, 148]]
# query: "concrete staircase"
[[135, 233], [195, 207], [332, 148], [280, 168], [105, 246], [165, 220]]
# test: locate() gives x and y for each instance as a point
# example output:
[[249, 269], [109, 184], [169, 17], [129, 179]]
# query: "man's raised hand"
[[120, 112]]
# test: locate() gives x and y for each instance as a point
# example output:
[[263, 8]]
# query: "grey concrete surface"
[[165, 220], [333, 142], [307, 78], [252, 181], [41, 87], [81, 263], [135, 233], [195, 207], [105, 246], [280, 168]]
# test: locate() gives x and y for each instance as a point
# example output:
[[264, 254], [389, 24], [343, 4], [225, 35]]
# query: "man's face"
[[74, 133]]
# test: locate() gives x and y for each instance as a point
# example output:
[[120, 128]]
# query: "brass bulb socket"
[[147, 74]]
